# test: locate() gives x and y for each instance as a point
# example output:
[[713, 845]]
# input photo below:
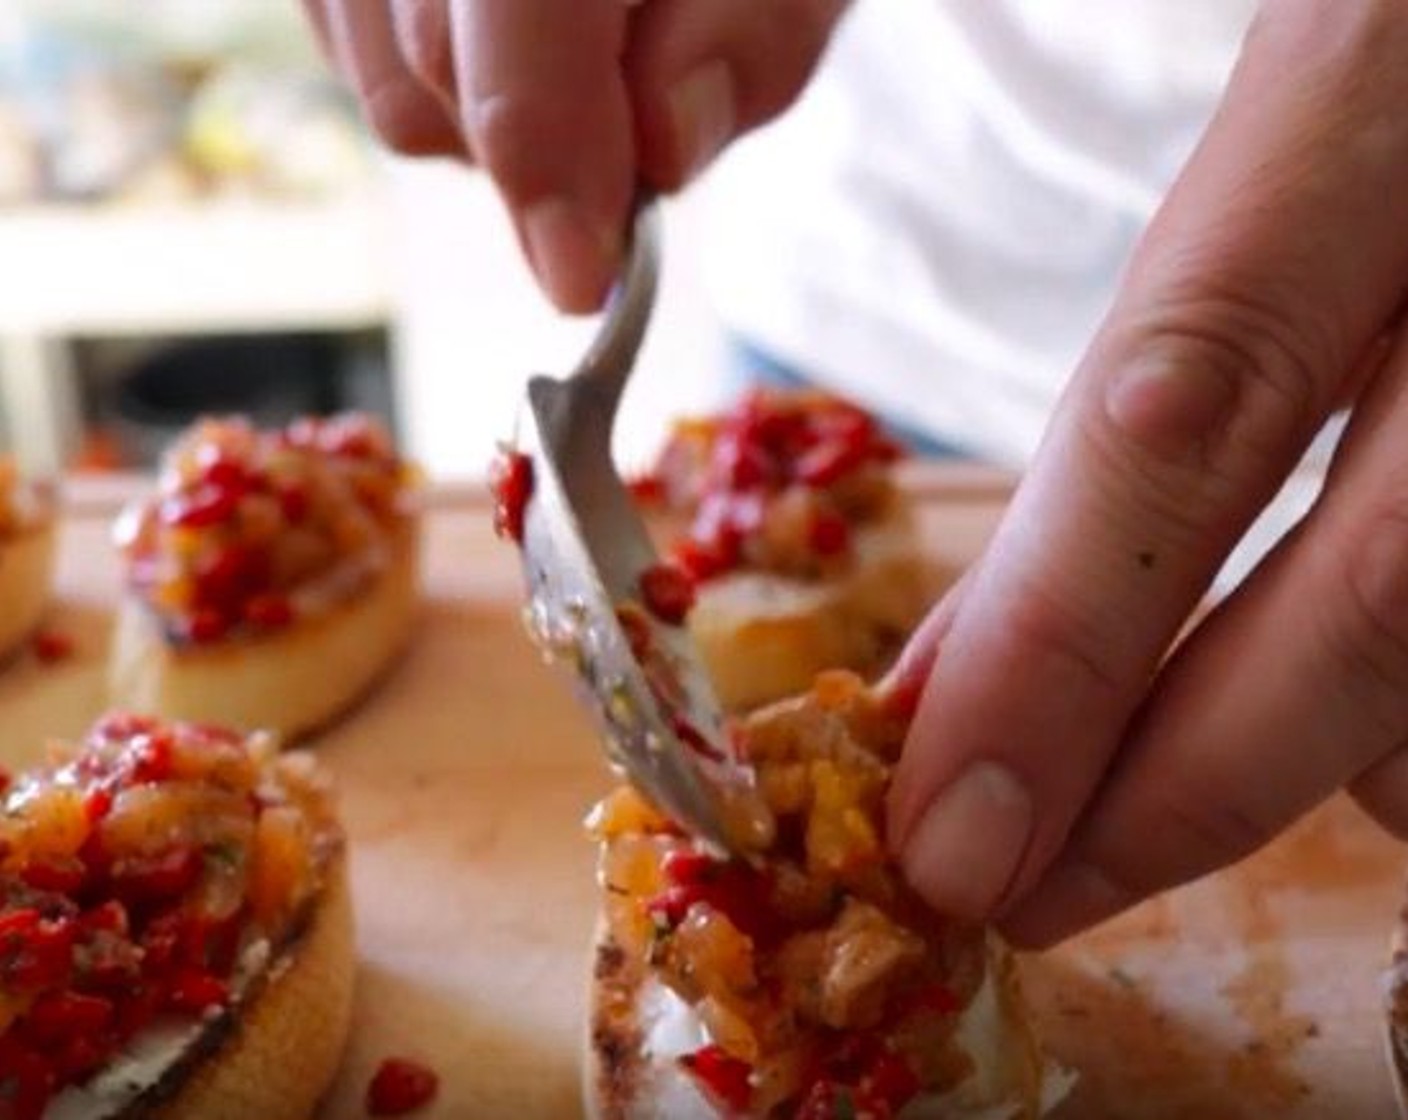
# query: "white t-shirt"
[[938, 227]]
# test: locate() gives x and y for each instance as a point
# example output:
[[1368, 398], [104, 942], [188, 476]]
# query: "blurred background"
[[192, 220]]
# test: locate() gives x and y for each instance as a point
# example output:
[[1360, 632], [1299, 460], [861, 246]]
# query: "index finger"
[[544, 103], [1276, 259]]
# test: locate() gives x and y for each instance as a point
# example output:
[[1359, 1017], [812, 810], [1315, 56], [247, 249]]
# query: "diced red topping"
[[777, 484], [401, 1085], [123, 895], [647, 489], [207, 625], [57, 1017], [269, 611], [829, 534], [29, 1079], [862, 1078], [703, 561], [723, 1077], [52, 646], [35, 952], [935, 999], [55, 874], [738, 891], [245, 517], [202, 509], [511, 483], [668, 592], [193, 992]]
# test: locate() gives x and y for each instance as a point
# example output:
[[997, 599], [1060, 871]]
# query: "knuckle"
[[1371, 638], [510, 134], [404, 121], [1207, 830], [1268, 374], [424, 35], [789, 46], [1041, 628]]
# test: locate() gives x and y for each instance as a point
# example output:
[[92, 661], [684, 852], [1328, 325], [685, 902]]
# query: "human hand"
[[568, 104], [1059, 769]]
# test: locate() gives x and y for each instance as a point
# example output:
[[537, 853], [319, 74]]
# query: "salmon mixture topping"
[[251, 530], [826, 988], [143, 874], [778, 484]]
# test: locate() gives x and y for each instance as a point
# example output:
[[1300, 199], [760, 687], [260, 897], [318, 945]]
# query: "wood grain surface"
[[1256, 993]]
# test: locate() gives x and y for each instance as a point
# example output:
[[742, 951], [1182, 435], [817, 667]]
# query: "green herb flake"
[[223, 856]]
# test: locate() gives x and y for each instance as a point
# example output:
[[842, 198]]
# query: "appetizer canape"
[[808, 981], [802, 550], [26, 556], [175, 931], [272, 579]]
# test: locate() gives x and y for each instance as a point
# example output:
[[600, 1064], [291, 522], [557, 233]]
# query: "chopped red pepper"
[[829, 534], [207, 625], [150, 757], [736, 890], [646, 489], [724, 1078], [668, 592], [55, 874], [193, 991], [727, 473], [401, 1085], [205, 507], [52, 646], [933, 999], [29, 1080], [269, 611], [511, 483], [59, 1016], [35, 952]]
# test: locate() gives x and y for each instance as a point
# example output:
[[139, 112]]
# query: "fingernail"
[[1070, 898], [573, 256], [704, 113], [965, 849]]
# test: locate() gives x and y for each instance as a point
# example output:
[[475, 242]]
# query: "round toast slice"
[[638, 1029], [766, 636], [271, 1054], [294, 681]]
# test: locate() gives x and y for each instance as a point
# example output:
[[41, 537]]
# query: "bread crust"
[[281, 1050], [294, 681], [623, 1080], [765, 637], [26, 573], [275, 1054]]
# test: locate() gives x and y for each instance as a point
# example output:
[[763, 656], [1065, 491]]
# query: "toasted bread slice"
[[26, 571], [767, 636], [272, 1054], [803, 974], [293, 681], [638, 1030]]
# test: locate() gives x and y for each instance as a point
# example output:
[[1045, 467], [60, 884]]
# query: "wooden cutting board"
[[1253, 994]]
